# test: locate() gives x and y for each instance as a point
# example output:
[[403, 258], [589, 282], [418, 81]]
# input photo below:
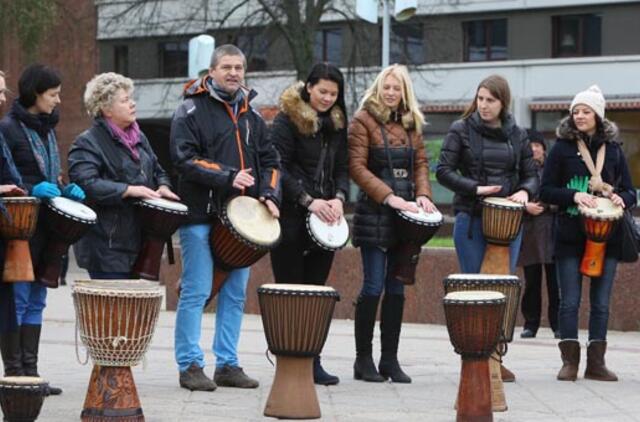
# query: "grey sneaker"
[[194, 379], [233, 376]]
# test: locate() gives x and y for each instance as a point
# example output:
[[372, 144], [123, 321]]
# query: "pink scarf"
[[130, 137]]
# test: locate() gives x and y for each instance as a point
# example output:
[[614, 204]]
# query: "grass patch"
[[441, 242]]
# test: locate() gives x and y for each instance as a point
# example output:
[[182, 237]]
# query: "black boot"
[[11, 354], [30, 342], [390, 323], [322, 377], [364, 368]]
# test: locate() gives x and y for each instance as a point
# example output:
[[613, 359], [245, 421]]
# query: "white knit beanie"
[[593, 98]]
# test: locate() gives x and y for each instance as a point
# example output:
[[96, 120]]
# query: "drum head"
[[23, 199], [72, 208], [483, 277], [297, 288], [22, 380], [501, 202], [474, 296], [330, 237], [422, 217], [165, 204], [253, 221], [604, 210], [119, 288]]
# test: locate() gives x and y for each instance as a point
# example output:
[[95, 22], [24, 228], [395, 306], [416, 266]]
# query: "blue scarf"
[[47, 158]]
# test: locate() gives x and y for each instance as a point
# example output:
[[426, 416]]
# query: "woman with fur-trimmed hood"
[[310, 134], [585, 137], [387, 161]]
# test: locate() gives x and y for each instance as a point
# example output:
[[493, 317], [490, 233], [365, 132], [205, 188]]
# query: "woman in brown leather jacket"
[[387, 161]]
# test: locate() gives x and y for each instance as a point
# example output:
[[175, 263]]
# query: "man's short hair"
[[226, 50]]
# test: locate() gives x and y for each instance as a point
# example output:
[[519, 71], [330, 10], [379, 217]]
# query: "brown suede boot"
[[596, 368], [570, 353]]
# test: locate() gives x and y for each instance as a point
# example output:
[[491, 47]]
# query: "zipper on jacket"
[[113, 229], [210, 201]]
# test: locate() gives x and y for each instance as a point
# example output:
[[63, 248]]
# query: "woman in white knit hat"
[[569, 181]]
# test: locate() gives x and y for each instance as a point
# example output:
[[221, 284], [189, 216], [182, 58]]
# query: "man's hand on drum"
[[398, 203], [243, 179], [617, 199], [165, 192], [585, 199], [271, 206], [488, 190], [521, 197], [140, 191], [12, 189], [426, 204], [534, 208], [323, 209]]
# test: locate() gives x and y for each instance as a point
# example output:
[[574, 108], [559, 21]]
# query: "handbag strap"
[[596, 184]]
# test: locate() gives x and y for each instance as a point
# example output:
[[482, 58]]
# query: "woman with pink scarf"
[[114, 163]]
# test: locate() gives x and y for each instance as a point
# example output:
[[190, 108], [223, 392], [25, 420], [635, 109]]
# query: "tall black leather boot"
[[30, 343], [390, 324], [11, 353], [365, 319]]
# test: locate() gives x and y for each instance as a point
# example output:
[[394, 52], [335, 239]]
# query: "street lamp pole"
[[386, 24]]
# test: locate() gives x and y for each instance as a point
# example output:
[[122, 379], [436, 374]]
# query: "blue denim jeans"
[[470, 251], [375, 262], [30, 299], [195, 288], [570, 284]]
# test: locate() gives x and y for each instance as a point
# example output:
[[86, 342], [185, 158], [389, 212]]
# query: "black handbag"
[[630, 243]]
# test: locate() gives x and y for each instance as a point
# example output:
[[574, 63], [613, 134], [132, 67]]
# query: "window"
[[577, 35], [328, 46], [254, 47], [174, 59], [121, 59], [406, 46], [485, 40]]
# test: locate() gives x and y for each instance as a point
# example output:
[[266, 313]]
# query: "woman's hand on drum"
[[398, 203], [337, 206], [165, 192], [534, 208], [521, 197], [271, 206], [585, 199], [12, 189], [243, 179], [426, 204], [617, 199], [488, 190], [323, 210], [140, 191]]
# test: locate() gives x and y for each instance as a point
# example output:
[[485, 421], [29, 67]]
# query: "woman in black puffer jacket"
[[310, 135], [485, 154]]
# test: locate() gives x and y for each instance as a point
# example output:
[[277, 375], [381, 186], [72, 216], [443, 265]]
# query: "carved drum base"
[[112, 396]]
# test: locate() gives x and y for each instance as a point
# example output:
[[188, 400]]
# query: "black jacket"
[[475, 155], [300, 134], [210, 144], [563, 164], [104, 168]]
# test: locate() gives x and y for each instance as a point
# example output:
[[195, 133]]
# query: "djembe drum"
[[67, 221], [296, 321], [16, 230], [159, 219], [414, 230], [474, 319], [243, 233], [330, 237], [116, 319], [21, 398], [598, 224], [501, 220], [509, 286]]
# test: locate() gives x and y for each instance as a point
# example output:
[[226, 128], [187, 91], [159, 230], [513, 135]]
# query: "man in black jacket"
[[220, 148]]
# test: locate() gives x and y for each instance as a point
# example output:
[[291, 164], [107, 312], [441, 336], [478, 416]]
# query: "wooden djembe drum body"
[[21, 398], [501, 222], [116, 319], [17, 229], [296, 320], [598, 224]]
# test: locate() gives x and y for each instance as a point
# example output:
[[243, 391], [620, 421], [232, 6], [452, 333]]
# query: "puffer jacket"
[[103, 167], [565, 163], [407, 175], [474, 154], [211, 142]]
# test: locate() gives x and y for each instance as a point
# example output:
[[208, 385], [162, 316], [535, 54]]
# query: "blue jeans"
[[30, 299], [195, 288], [470, 251], [375, 262], [570, 284]]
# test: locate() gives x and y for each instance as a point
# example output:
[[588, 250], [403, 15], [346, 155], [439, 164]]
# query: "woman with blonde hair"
[[114, 163], [387, 161]]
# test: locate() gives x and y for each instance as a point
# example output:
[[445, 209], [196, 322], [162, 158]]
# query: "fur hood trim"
[[303, 116], [565, 131], [382, 114]]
